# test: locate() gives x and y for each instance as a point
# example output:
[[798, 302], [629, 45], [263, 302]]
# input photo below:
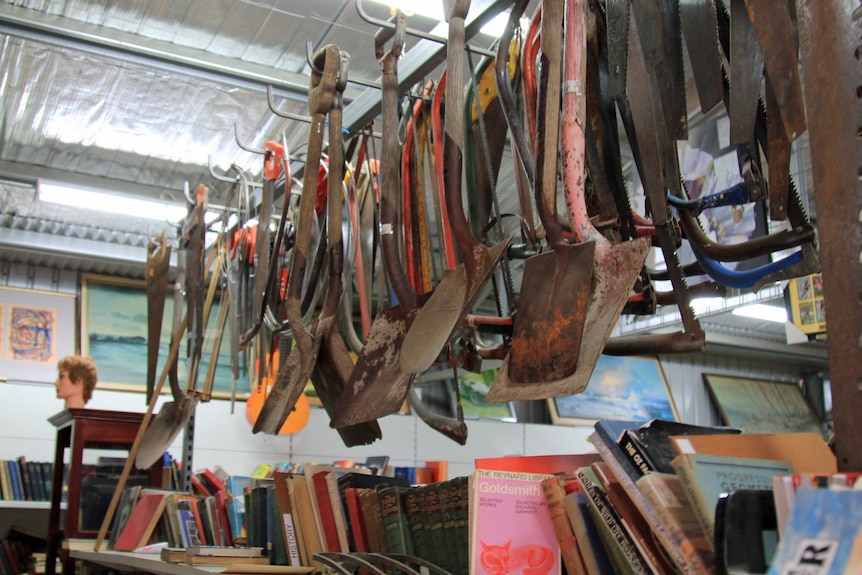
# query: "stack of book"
[[656, 498]]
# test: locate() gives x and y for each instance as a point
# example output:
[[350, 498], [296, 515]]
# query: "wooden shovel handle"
[[136, 444]]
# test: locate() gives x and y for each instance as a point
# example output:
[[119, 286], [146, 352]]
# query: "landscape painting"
[[762, 406], [620, 388], [114, 334]]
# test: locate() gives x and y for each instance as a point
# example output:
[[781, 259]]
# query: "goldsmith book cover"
[[512, 527]]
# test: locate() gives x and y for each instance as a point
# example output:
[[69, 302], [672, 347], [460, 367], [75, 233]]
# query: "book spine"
[[294, 521], [461, 510], [665, 495], [593, 552], [325, 510], [337, 507], [394, 520], [373, 520], [698, 503], [609, 517], [414, 508], [15, 480], [568, 544], [356, 523], [5, 488], [434, 525], [619, 469], [635, 453], [26, 482]]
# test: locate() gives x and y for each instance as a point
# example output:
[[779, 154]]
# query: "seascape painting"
[[620, 388], [114, 333], [762, 406]]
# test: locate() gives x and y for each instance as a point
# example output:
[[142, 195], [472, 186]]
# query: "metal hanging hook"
[[219, 177], [417, 33], [246, 147], [309, 56]]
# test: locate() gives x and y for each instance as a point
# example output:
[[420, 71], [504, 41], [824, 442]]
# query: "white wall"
[[226, 440]]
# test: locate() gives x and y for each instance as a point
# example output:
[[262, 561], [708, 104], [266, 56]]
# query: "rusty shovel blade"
[[363, 398], [551, 311], [614, 264], [164, 428], [447, 306]]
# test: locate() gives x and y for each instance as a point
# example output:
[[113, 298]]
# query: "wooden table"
[[79, 429]]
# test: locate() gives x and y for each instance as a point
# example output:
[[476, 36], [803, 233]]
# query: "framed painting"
[[761, 406], [114, 334], [474, 389], [37, 329], [621, 388]]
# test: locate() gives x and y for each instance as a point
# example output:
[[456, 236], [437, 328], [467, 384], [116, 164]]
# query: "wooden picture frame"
[[37, 329], [114, 334], [620, 388], [761, 406]]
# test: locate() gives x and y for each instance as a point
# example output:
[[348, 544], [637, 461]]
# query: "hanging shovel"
[[546, 340], [333, 369], [294, 373], [378, 385], [461, 286], [158, 264], [616, 265], [174, 415]]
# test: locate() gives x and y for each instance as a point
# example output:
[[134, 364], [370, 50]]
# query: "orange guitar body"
[[297, 419]]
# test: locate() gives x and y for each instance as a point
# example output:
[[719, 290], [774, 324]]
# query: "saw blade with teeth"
[[611, 182], [690, 323], [773, 27], [700, 31], [746, 72], [661, 45]]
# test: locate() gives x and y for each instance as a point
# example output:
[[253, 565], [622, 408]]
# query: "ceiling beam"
[[72, 34]]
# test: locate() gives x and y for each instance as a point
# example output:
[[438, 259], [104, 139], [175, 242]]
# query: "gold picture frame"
[[621, 388]]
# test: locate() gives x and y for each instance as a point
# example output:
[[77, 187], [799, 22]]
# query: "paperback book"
[[512, 527]]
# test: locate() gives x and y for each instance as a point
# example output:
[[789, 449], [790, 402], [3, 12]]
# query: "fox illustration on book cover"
[[522, 560]]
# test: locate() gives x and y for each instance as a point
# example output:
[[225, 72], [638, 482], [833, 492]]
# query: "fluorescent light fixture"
[[703, 305], [434, 10], [115, 204], [763, 312]]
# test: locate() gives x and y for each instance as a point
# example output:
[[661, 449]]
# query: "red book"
[[199, 522], [142, 521], [221, 509], [198, 486], [212, 481], [327, 515], [357, 521]]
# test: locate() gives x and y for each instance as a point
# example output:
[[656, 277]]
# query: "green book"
[[414, 507], [433, 518], [395, 520], [461, 511], [705, 477]]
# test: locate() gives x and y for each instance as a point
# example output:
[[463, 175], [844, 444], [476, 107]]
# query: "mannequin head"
[[76, 379]]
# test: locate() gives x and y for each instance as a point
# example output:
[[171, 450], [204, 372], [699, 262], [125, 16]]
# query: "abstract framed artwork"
[[761, 406], [621, 388], [37, 329], [114, 334]]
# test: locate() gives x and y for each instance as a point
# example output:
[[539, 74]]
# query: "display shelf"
[[4, 504], [152, 563]]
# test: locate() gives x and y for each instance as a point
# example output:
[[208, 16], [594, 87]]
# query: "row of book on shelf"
[[16, 556], [22, 480], [662, 497]]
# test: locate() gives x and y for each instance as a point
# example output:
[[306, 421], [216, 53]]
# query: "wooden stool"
[[79, 429]]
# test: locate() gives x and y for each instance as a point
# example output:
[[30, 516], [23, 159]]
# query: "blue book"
[[824, 534], [15, 480], [236, 485]]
